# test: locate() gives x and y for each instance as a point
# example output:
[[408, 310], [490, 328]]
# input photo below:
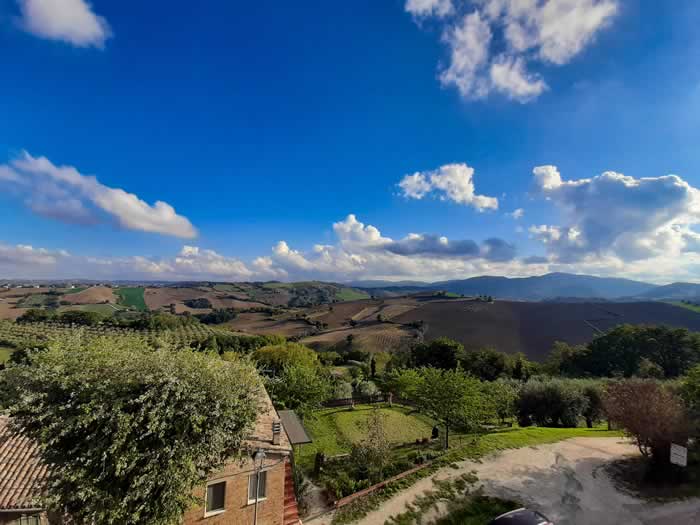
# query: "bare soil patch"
[[92, 295]]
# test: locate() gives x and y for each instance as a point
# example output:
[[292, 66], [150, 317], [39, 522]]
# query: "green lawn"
[[5, 354], [132, 297], [518, 437], [687, 306], [349, 294], [334, 430]]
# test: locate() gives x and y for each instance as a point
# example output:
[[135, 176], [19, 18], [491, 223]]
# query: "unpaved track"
[[563, 480]]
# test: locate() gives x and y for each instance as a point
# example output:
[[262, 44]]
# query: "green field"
[[36, 300], [73, 290], [131, 297], [5, 354], [334, 430], [687, 306], [349, 294], [274, 286]]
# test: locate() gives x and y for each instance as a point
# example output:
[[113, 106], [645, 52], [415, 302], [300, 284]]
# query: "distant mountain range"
[[551, 286]]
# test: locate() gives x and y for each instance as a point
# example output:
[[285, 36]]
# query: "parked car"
[[521, 517]]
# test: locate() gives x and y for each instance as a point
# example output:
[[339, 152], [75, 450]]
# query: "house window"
[[261, 486], [216, 496], [34, 519]]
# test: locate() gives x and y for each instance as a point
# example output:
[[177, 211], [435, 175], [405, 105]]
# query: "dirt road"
[[564, 480]]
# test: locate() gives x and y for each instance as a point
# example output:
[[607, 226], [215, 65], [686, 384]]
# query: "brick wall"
[[237, 510]]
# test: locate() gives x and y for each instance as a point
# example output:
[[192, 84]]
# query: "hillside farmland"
[[532, 328]]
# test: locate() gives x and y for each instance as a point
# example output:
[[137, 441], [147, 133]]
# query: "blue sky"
[[262, 122]]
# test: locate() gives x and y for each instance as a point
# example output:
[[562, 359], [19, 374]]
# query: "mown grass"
[[349, 294], [5, 354], [334, 430], [131, 297]]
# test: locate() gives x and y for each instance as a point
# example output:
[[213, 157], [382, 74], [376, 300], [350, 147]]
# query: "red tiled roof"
[[22, 473]]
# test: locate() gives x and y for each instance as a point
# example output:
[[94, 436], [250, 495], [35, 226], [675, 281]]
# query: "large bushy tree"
[[451, 397], [651, 413], [129, 430], [440, 353]]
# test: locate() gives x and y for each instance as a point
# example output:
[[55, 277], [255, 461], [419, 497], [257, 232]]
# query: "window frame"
[[251, 501], [215, 512]]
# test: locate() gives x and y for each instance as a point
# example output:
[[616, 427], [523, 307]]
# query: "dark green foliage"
[[36, 315], [629, 350], [218, 316], [130, 430], [487, 364], [552, 402], [299, 387], [78, 317], [441, 353], [199, 303]]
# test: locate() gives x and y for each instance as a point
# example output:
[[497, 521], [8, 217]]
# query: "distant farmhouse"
[[258, 489]]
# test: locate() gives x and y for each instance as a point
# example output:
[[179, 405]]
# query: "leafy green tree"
[[441, 353], [371, 455], [300, 388], [36, 315], [451, 397], [500, 397], [128, 430], [272, 359], [403, 382], [487, 364]]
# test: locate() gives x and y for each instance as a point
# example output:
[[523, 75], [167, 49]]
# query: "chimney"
[[276, 431]]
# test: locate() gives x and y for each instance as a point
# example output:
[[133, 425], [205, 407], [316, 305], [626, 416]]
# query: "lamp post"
[[258, 461]]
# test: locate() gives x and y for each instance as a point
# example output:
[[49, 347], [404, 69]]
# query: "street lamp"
[[258, 462]]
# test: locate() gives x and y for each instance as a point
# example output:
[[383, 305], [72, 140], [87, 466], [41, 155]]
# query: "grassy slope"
[[690, 307], [334, 430], [132, 297], [348, 294], [74, 290], [5, 354]]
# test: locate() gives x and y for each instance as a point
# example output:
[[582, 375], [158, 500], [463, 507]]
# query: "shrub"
[[553, 402], [650, 413]]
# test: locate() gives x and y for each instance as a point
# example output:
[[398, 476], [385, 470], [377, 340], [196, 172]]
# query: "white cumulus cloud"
[[71, 21], [454, 182], [429, 7], [494, 44], [63, 193], [616, 216]]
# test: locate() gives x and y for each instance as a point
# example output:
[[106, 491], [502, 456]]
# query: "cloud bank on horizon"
[[610, 222], [495, 44]]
